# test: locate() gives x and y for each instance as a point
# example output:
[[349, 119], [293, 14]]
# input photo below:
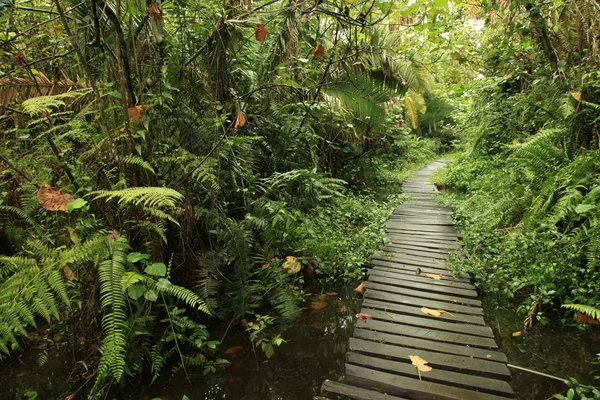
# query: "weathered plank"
[[429, 322], [412, 252], [424, 344], [400, 269], [479, 383], [421, 294], [416, 310], [419, 278], [451, 362], [422, 302], [426, 286], [416, 389], [342, 391]]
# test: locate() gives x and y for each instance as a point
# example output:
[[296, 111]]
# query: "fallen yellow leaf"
[[292, 265], [437, 277], [517, 333], [435, 313], [420, 364]]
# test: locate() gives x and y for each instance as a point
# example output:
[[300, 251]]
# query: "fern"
[[152, 197], [38, 105], [137, 161], [114, 303], [182, 294], [591, 311]]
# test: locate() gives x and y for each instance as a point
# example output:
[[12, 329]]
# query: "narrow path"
[[409, 273]]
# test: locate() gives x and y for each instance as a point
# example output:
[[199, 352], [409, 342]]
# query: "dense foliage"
[[164, 161]]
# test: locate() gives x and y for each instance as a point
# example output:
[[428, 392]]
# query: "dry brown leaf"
[[292, 265], [517, 333], [437, 277], [586, 319], [265, 266], [317, 305], [154, 12], [420, 364], [363, 316], [429, 311], [260, 32], [51, 199], [332, 294], [67, 273], [113, 235], [319, 50], [137, 112], [577, 95], [235, 351], [70, 397], [360, 288], [418, 271], [240, 120]]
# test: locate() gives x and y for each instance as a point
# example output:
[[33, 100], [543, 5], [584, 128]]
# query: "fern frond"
[[182, 294], [590, 311], [137, 161], [153, 197]]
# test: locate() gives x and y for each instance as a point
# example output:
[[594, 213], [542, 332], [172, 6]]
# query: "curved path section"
[[416, 308]]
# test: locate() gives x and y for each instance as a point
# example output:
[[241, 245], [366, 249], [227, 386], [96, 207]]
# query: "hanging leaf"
[[240, 120], [363, 317], [51, 199], [360, 288], [154, 12], [292, 265], [437, 277], [260, 32], [319, 50]]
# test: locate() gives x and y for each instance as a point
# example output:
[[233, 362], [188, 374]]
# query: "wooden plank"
[[420, 302], [412, 388], [479, 383], [424, 286], [342, 391], [407, 268], [418, 227], [450, 245], [424, 344], [411, 271], [401, 246], [413, 252], [430, 322], [420, 278], [420, 294], [429, 334], [416, 311], [432, 235], [410, 260], [466, 365]]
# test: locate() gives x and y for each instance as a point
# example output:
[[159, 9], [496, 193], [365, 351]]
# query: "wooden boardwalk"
[[458, 346]]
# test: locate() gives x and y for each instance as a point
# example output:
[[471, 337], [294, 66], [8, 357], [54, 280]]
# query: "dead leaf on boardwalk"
[[260, 32], [360, 288], [363, 317], [517, 334], [436, 313], [437, 277], [418, 271], [489, 356], [240, 120], [420, 364], [429, 311], [292, 265], [51, 199], [317, 305]]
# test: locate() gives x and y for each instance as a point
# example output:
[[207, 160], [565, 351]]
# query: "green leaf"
[[583, 208], [151, 295], [135, 257], [156, 269], [136, 291], [75, 204], [163, 284]]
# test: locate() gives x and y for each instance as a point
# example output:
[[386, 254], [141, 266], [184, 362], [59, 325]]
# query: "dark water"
[[315, 350], [560, 349]]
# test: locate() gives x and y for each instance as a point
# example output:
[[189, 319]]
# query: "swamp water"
[[315, 350]]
